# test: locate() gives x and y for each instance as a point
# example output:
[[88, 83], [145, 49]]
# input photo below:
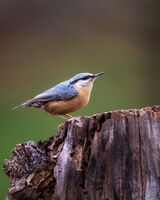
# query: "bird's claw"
[[60, 127]]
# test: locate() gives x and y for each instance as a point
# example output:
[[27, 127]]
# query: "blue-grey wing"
[[62, 91]]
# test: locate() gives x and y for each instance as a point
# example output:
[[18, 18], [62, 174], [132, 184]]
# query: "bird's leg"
[[61, 125], [61, 116], [67, 115]]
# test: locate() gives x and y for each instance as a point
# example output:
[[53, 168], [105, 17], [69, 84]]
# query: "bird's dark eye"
[[85, 78]]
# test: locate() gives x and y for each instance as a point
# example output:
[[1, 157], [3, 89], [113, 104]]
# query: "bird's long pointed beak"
[[99, 74]]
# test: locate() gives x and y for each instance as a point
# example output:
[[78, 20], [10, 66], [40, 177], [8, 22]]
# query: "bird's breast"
[[68, 106]]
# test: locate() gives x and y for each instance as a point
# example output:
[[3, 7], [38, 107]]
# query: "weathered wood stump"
[[109, 156]]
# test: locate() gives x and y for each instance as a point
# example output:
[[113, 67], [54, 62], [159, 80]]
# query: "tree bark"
[[109, 156]]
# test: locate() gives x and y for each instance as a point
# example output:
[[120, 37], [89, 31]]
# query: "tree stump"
[[109, 156]]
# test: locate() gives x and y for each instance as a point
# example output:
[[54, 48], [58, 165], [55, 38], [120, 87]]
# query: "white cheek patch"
[[84, 83]]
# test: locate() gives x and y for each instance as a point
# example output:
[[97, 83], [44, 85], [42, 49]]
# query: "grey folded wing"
[[62, 91]]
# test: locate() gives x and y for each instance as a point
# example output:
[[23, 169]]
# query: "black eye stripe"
[[84, 78], [87, 77]]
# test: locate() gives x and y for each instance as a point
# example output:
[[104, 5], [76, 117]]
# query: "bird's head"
[[84, 79]]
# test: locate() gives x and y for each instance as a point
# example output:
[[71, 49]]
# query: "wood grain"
[[109, 156]]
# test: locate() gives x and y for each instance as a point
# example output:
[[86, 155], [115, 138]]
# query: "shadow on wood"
[[109, 156]]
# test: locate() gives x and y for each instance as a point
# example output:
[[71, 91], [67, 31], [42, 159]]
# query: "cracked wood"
[[109, 156]]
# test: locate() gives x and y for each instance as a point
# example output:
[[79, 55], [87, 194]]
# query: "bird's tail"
[[25, 104]]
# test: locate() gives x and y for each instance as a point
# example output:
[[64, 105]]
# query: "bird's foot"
[[61, 126]]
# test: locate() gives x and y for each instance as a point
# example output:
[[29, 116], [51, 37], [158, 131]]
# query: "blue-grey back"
[[62, 91]]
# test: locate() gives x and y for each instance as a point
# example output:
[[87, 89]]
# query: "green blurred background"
[[45, 42]]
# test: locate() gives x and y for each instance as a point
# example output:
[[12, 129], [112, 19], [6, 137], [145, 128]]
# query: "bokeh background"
[[45, 42]]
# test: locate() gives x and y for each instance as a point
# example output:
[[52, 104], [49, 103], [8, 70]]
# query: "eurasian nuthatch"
[[65, 97]]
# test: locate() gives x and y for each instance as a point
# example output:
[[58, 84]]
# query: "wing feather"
[[62, 91]]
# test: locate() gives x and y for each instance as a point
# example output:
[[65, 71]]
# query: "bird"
[[66, 97]]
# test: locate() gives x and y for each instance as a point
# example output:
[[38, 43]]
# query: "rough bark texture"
[[109, 156]]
